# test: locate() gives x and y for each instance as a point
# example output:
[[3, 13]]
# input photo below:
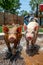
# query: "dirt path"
[[26, 58], [36, 59], [33, 60]]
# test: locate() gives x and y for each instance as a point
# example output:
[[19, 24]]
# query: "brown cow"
[[12, 35]]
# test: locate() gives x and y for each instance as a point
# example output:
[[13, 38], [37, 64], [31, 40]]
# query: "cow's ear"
[[5, 29], [19, 29]]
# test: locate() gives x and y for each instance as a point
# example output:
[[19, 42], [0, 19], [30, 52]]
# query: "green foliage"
[[24, 13], [0, 29], [1, 9], [10, 4], [41, 30], [33, 3]]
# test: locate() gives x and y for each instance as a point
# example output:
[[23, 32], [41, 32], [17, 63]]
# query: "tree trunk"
[[4, 19], [6, 11], [40, 18]]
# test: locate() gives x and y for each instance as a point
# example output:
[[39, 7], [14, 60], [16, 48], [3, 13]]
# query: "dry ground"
[[34, 58]]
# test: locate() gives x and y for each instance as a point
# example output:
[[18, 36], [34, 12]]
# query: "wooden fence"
[[10, 18]]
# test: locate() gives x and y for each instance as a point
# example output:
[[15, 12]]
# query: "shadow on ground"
[[14, 57], [33, 50]]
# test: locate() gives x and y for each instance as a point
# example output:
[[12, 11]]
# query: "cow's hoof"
[[8, 55]]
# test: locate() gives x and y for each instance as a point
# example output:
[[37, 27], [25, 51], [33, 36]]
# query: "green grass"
[[0, 29], [40, 30]]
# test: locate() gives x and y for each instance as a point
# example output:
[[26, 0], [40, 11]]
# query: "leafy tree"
[[33, 3], [24, 13], [1, 9], [9, 6]]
